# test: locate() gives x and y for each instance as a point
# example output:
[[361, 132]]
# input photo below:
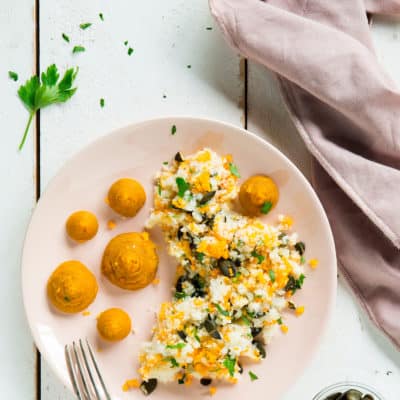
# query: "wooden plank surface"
[[167, 38], [17, 175]]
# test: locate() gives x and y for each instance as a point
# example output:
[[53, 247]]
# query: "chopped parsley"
[[253, 376], [85, 25], [130, 51], [101, 16], [209, 28], [302, 260], [41, 92], [180, 295], [229, 364], [165, 163], [188, 66], [102, 102], [279, 321], [126, 43], [13, 75], [245, 320], [300, 247], [291, 305], [183, 186], [196, 336], [234, 170], [176, 346], [65, 37], [293, 284], [271, 274], [199, 256], [159, 189], [266, 207], [221, 310], [78, 49], [173, 129], [173, 362], [259, 257]]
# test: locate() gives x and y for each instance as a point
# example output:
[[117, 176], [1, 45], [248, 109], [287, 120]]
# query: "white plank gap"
[[167, 37], [17, 174]]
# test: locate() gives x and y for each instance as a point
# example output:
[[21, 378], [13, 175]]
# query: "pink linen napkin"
[[347, 110]]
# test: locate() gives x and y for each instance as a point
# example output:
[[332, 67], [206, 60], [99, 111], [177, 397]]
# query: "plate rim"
[[264, 142]]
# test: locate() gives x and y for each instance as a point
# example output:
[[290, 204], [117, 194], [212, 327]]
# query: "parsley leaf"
[[199, 256], [38, 93], [253, 376], [183, 186], [234, 170], [173, 362], [85, 25], [293, 284], [13, 75], [221, 310], [245, 320], [180, 295], [102, 102], [259, 257], [173, 129], [188, 66], [302, 260], [101, 16], [266, 207], [176, 346], [130, 51], [65, 37], [271, 274], [126, 43], [78, 49], [229, 364], [279, 320], [209, 28]]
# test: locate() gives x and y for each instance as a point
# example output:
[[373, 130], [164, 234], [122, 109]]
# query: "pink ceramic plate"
[[138, 151]]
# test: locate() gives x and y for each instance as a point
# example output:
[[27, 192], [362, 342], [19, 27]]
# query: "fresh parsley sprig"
[[41, 92]]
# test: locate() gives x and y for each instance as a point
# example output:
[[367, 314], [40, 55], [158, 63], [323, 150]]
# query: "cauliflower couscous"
[[235, 275]]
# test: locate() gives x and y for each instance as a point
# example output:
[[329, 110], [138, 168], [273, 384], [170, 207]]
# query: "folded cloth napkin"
[[347, 110]]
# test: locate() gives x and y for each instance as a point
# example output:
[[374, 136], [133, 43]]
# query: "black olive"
[[205, 381], [207, 197], [255, 331], [178, 285], [300, 247], [149, 386], [180, 233], [240, 368], [199, 293], [227, 267], [260, 347], [211, 328], [182, 335], [334, 396], [178, 157], [368, 397]]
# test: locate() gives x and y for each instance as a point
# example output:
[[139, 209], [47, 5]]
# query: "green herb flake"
[[291, 305], [221, 310], [245, 320], [102, 102], [199, 256], [159, 189], [266, 207], [126, 43], [195, 335], [300, 281], [271, 274], [101, 16], [164, 96], [173, 362], [279, 321], [181, 381], [183, 186], [13, 75], [209, 28], [130, 51], [85, 25], [173, 129], [178, 346], [259, 257], [302, 260], [180, 295], [65, 37], [165, 163], [78, 49], [229, 364], [188, 66], [234, 170], [253, 376], [41, 92]]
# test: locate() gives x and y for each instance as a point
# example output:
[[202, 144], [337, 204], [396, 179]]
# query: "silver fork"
[[86, 379]]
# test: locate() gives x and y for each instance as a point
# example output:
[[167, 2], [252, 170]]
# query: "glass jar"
[[344, 386]]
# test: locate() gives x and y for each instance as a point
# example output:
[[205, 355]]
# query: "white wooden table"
[[180, 65]]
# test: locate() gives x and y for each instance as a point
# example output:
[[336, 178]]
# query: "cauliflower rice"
[[234, 278]]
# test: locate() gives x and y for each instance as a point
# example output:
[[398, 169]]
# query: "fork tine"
[[89, 369], [108, 397], [71, 372], [82, 376]]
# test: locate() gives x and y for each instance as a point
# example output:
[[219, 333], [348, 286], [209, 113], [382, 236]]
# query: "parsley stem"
[[21, 145]]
